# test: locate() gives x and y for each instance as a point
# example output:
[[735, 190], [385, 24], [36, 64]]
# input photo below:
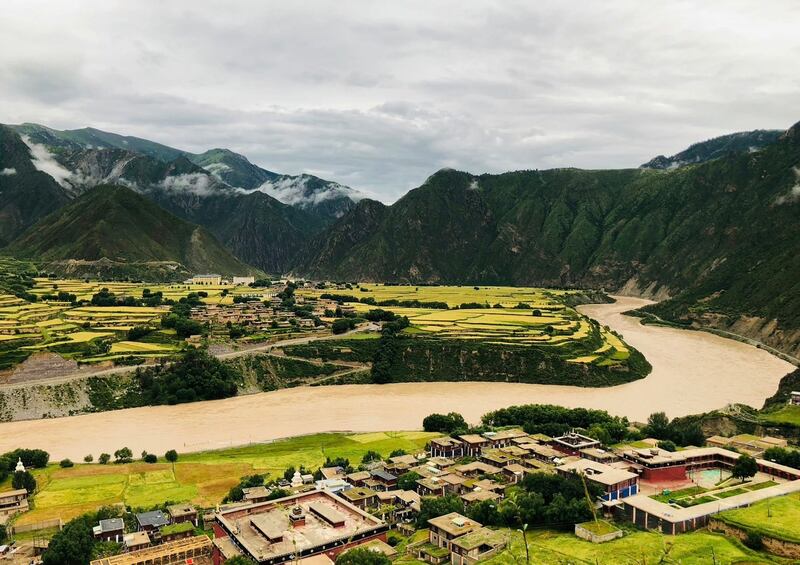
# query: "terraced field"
[[93, 334], [497, 315]]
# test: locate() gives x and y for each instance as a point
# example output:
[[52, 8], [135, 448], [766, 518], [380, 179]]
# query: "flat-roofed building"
[[239, 281], [361, 497], [136, 540], [293, 528], [207, 279], [181, 513], [476, 546], [615, 483], [476, 468], [599, 455], [479, 495], [446, 447], [149, 521], [474, 444], [196, 550], [573, 442], [504, 438], [109, 530], [444, 529], [13, 502]]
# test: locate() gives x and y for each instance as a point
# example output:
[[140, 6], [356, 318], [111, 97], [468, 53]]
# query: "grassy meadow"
[[202, 478], [776, 517]]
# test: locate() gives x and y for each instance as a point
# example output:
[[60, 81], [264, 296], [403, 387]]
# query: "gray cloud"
[[377, 96]]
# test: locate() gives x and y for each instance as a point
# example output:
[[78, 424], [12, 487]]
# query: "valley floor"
[[693, 372]]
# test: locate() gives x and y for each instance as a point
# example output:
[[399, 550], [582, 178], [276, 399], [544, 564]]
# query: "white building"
[[243, 280]]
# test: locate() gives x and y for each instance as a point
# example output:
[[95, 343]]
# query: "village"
[[313, 517]]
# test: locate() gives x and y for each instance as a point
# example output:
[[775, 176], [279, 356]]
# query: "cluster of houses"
[[338, 509], [152, 528], [255, 314]]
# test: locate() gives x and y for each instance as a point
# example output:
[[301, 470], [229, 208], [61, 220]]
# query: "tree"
[[408, 481], [88, 459], [124, 455], [435, 506], [658, 425], [444, 423], [238, 560], [235, 494], [73, 544], [361, 556], [397, 453], [104, 458], [745, 467], [371, 456], [3, 533], [151, 458], [65, 463], [23, 479], [667, 445], [171, 456]]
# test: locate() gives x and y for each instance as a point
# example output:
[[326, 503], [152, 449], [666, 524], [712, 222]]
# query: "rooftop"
[[328, 519], [478, 538], [198, 545], [454, 524], [155, 518], [598, 472]]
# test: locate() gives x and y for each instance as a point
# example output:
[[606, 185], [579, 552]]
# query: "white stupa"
[[20, 467], [297, 479]]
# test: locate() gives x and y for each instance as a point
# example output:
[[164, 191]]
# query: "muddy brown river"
[[692, 372]]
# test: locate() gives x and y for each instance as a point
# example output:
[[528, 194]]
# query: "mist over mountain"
[[262, 216]]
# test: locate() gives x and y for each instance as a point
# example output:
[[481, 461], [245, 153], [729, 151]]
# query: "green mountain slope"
[[112, 225], [25, 193], [720, 238]]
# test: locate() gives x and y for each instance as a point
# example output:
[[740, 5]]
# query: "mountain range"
[[711, 231]]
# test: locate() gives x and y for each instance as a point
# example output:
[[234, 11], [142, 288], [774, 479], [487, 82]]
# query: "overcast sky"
[[378, 95]]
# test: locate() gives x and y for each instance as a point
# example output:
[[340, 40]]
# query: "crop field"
[[77, 332], [201, 478], [499, 315]]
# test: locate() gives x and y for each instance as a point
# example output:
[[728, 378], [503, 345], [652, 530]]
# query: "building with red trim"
[[297, 526]]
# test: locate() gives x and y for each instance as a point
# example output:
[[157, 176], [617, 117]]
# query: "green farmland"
[[202, 478]]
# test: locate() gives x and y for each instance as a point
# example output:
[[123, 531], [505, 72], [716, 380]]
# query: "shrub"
[[151, 458], [65, 463], [171, 456], [124, 455], [104, 458], [88, 459]]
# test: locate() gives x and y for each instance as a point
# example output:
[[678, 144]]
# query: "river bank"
[[692, 372]]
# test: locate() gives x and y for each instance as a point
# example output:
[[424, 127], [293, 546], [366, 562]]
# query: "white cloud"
[[44, 161], [197, 183], [382, 95], [794, 193], [296, 192], [7, 172]]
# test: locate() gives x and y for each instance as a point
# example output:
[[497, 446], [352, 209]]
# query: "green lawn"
[[777, 517], [600, 527], [201, 478], [676, 494], [636, 548]]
